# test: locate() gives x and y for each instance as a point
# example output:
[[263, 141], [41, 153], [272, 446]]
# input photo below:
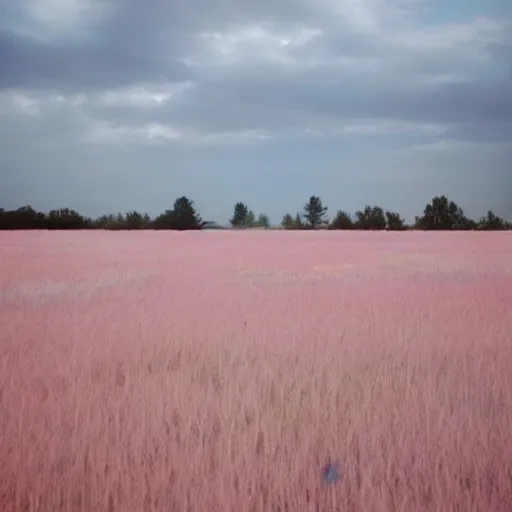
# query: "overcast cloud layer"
[[113, 105]]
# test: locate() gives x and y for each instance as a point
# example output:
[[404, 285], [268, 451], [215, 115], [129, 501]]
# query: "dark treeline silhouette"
[[182, 217], [439, 214]]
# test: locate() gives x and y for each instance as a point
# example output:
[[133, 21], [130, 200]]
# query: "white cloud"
[[64, 15], [233, 138], [143, 95], [383, 39], [451, 144], [156, 130], [97, 128], [102, 132], [391, 127], [360, 15], [314, 133], [373, 128], [14, 102], [25, 105], [106, 133], [435, 145], [470, 39], [442, 78], [251, 43], [89, 129], [372, 17], [35, 103]]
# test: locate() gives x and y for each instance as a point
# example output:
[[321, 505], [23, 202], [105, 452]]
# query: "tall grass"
[[220, 371]]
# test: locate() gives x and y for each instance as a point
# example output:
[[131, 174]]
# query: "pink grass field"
[[218, 371]]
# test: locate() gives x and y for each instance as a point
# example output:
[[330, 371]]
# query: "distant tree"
[[104, 222], [439, 214], [394, 221], [25, 218], [184, 215], [314, 212], [146, 221], [372, 217], [290, 222], [99, 222], [209, 224], [378, 219], [65, 219], [287, 221], [164, 220], [297, 222], [135, 220], [250, 221], [263, 221], [112, 222], [120, 221], [491, 222], [342, 220], [442, 214], [26, 210], [464, 223], [240, 215]]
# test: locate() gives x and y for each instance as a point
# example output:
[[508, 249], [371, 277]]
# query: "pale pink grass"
[[218, 371]]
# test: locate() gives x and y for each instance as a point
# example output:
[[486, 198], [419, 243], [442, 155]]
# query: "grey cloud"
[[490, 132], [468, 111], [149, 40], [449, 103], [30, 64], [205, 14]]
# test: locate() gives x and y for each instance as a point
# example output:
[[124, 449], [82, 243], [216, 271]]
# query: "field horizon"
[[220, 371]]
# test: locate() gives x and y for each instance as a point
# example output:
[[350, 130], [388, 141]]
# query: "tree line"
[[439, 214], [183, 216]]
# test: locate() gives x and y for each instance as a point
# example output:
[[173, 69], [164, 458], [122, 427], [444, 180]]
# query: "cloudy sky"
[[113, 105]]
